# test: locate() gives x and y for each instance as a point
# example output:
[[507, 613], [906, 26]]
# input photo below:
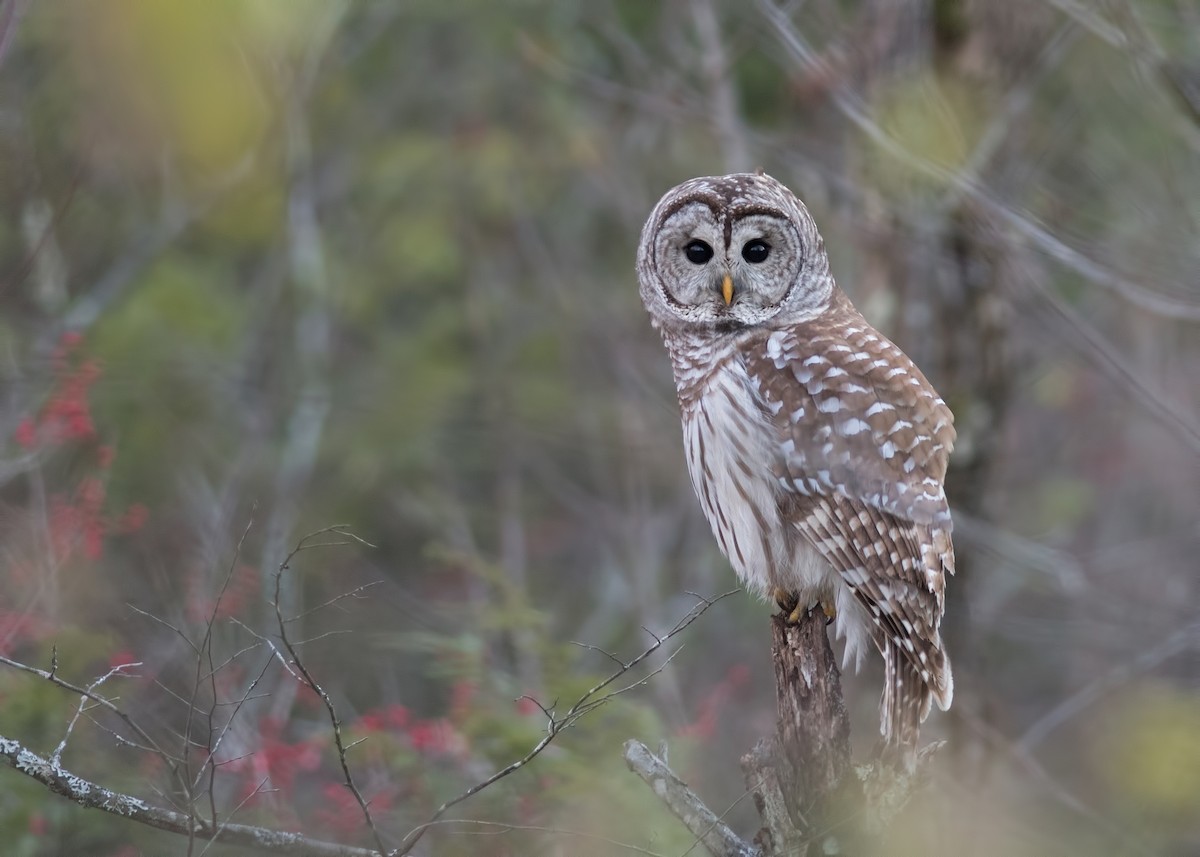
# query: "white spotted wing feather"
[[863, 442]]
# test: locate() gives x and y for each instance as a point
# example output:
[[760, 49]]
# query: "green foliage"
[[1150, 755], [184, 303]]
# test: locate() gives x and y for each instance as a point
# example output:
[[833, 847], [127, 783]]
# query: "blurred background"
[[272, 266]]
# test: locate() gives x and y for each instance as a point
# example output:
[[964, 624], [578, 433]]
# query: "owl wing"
[[863, 443], [855, 417]]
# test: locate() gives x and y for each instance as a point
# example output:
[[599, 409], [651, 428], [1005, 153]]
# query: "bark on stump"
[[801, 775]]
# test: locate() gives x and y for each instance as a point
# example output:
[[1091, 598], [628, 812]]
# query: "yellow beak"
[[727, 289]]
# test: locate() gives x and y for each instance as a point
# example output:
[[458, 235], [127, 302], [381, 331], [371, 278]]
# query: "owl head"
[[726, 252]]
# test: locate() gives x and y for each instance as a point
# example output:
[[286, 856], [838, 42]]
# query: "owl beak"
[[727, 289]]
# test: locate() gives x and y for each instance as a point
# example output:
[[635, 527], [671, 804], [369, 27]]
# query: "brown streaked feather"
[[863, 446], [855, 415]]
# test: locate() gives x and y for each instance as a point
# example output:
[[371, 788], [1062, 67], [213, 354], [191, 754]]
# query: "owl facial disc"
[[732, 251]]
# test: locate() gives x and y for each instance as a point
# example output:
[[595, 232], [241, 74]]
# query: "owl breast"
[[732, 460]]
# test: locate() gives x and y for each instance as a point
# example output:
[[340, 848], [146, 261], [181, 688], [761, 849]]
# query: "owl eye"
[[698, 252], [756, 251]]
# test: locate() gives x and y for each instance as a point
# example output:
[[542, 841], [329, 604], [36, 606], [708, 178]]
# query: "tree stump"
[[810, 798], [802, 774]]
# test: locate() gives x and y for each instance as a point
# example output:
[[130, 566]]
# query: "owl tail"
[[905, 703]]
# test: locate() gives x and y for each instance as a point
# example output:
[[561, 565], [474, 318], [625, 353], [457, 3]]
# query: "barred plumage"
[[817, 449]]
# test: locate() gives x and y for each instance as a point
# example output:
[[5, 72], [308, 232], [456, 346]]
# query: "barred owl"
[[816, 448]]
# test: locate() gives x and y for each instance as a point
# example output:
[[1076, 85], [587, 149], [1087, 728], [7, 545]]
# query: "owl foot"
[[828, 609], [789, 602], [795, 610]]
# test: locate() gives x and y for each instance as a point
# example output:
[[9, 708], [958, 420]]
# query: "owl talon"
[[788, 601], [796, 611]]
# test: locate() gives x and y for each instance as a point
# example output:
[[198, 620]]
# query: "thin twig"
[[56, 756], [166, 625], [586, 703], [308, 543], [232, 658], [116, 736], [606, 654], [258, 789], [353, 593], [278, 655], [204, 653], [337, 632], [720, 818], [237, 708], [596, 703]]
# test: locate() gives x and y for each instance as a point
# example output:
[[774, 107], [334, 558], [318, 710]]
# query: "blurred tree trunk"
[[938, 266]]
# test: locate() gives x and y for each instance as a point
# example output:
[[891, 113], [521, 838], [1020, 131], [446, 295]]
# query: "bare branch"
[[699, 840], [704, 824], [91, 795], [141, 733], [258, 789], [307, 543], [1136, 41], [1006, 118], [56, 756], [596, 703], [549, 712], [112, 733]]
